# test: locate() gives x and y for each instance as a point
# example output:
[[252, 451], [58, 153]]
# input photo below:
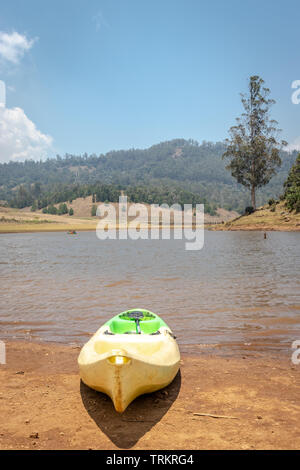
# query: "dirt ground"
[[265, 218], [45, 406], [24, 221]]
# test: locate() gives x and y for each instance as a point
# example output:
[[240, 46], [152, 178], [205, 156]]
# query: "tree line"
[[37, 197], [179, 163]]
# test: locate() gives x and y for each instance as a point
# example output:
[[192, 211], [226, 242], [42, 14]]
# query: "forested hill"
[[184, 163]]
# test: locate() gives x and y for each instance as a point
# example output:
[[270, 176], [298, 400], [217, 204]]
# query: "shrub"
[[62, 209], [292, 187], [51, 209], [271, 201], [249, 210], [71, 212], [94, 211], [293, 199]]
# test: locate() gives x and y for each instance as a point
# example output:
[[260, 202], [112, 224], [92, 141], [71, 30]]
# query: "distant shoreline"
[[263, 219], [256, 228], [45, 228]]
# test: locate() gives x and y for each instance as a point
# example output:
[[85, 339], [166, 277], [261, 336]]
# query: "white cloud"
[[295, 145], [2, 93], [99, 21], [19, 137], [13, 46]]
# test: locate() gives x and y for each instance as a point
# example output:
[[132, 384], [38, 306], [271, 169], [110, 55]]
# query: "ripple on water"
[[240, 289]]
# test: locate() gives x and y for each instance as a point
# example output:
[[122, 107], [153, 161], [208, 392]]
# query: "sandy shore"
[[17, 221], [44, 405], [23, 221]]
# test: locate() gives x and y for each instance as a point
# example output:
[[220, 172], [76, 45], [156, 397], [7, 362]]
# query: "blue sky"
[[110, 74]]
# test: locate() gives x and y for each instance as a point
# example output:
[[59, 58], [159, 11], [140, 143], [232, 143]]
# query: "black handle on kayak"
[[138, 326], [136, 316]]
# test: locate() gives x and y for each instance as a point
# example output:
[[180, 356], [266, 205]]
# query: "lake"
[[240, 292]]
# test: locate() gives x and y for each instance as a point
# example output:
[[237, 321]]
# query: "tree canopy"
[[253, 149], [292, 187]]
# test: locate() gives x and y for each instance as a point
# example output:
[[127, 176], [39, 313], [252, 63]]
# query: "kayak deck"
[[133, 353]]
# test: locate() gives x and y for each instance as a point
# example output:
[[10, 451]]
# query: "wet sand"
[[44, 405]]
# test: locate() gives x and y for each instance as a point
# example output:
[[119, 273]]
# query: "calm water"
[[238, 289]]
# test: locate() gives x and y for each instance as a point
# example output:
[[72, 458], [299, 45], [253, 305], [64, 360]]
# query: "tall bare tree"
[[253, 148]]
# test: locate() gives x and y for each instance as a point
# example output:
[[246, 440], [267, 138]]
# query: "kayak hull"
[[126, 366]]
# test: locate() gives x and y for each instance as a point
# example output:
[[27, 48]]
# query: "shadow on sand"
[[125, 429]]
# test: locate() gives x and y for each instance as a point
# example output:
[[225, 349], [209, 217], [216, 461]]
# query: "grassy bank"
[[18, 221], [276, 217], [265, 218]]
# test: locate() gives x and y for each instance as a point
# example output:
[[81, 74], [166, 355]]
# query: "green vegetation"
[[108, 193], [10, 220], [71, 211], [50, 210], [94, 211], [253, 150], [62, 209], [292, 187], [171, 167]]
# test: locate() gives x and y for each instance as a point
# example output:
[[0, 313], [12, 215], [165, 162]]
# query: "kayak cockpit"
[[137, 321]]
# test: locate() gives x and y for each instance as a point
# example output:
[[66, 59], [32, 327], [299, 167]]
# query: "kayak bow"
[[133, 353]]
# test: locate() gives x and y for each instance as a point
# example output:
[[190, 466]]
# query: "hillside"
[[24, 220], [185, 164], [265, 218], [82, 208]]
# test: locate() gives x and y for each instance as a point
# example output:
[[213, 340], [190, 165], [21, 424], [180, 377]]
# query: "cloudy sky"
[[109, 74]]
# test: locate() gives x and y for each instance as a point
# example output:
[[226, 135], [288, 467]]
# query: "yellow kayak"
[[133, 353]]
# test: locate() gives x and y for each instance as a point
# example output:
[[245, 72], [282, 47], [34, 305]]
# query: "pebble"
[[34, 435]]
